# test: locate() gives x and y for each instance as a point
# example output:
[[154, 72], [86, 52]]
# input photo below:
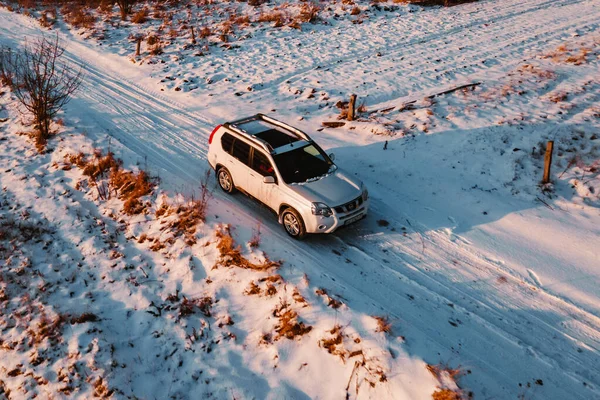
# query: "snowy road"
[[442, 291]]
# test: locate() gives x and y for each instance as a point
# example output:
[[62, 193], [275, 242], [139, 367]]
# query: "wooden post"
[[351, 107], [193, 36], [138, 47], [548, 161]]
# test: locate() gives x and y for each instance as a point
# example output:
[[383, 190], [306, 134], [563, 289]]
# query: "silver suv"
[[286, 170]]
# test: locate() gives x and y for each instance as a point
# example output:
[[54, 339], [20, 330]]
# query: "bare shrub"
[[40, 81], [125, 7]]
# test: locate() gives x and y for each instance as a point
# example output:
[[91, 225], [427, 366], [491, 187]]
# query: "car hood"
[[333, 189]]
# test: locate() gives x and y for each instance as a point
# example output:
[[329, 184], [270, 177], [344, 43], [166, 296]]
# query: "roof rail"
[[283, 125], [252, 138]]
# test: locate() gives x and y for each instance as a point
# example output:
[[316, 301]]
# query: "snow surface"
[[475, 266]]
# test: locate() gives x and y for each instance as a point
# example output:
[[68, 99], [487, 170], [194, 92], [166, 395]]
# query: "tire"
[[293, 224], [225, 180]]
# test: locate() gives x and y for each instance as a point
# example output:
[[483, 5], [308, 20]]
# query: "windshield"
[[302, 164]]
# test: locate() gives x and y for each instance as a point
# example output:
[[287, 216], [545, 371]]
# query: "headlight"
[[365, 195], [321, 209]]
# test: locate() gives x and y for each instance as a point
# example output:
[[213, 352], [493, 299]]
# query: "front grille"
[[349, 206]]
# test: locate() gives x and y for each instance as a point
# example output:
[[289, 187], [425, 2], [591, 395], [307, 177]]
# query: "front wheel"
[[293, 223], [225, 180]]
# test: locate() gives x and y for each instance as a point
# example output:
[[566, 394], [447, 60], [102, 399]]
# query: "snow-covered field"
[[475, 265]]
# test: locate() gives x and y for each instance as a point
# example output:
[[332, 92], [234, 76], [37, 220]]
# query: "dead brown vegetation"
[[442, 373], [331, 302], [77, 16], [288, 325], [230, 254], [105, 173], [140, 17], [383, 324]]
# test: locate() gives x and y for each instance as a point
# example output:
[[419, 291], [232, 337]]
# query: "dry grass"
[[188, 307], [331, 302], [443, 373], [77, 16], [255, 239], [47, 329], [288, 325], [230, 254], [140, 17], [383, 324], [85, 317], [106, 174], [446, 394], [334, 344], [252, 289], [278, 18], [309, 12], [557, 97]]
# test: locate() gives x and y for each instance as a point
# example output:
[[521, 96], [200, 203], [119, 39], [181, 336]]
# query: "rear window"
[[226, 142], [241, 151]]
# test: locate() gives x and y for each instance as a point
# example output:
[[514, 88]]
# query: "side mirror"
[[268, 179], [332, 156]]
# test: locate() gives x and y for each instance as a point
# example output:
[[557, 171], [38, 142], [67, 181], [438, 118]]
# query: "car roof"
[[272, 134]]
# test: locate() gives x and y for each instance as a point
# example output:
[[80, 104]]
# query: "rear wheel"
[[293, 223], [225, 180]]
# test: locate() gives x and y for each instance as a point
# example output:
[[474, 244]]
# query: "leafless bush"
[[125, 7], [140, 17], [40, 81]]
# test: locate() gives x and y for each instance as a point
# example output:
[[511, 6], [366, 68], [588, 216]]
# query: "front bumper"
[[321, 224]]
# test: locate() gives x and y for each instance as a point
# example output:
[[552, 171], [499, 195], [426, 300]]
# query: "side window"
[[241, 151], [226, 142], [261, 164]]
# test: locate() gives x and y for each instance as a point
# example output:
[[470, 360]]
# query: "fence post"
[[138, 47], [548, 161], [351, 107], [193, 36]]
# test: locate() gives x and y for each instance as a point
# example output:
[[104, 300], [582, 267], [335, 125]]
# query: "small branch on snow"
[[546, 204]]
